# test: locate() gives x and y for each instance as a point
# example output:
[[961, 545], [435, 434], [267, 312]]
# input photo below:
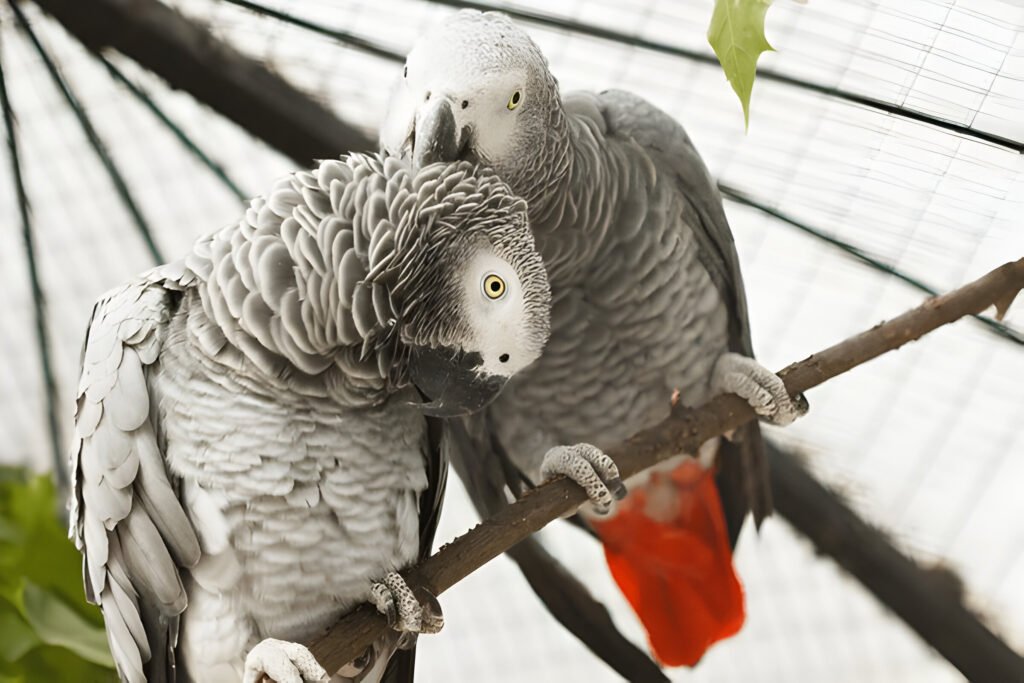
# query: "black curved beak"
[[452, 380], [435, 136]]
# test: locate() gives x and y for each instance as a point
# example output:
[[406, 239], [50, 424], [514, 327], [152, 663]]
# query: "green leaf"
[[57, 624], [16, 638], [36, 544], [47, 630], [48, 664], [737, 36]]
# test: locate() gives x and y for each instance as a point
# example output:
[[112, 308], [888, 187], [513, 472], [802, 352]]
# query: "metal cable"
[[180, 134], [90, 132], [351, 39], [38, 300], [563, 24], [741, 197]]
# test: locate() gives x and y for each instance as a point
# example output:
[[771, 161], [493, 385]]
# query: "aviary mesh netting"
[[926, 443]]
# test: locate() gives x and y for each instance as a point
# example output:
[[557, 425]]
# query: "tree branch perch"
[[683, 431], [241, 88]]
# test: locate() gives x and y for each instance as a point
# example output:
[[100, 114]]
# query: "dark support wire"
[[563, 24], [94, 140], [927, 599], [38, 301], [552, 21], [731, 193], [182, 136], [351, 39], [740, 197]]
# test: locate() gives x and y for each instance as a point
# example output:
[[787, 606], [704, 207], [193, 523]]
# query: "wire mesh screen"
[[926, 442]]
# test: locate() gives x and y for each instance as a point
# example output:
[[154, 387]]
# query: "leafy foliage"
[[47, 630], [737, 36]]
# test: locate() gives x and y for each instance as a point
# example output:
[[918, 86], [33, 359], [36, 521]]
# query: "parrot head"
[[470, 289], [476, 87]]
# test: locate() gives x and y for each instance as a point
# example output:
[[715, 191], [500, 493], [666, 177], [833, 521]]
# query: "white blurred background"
[[926, 442]]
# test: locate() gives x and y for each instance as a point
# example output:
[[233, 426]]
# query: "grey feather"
[[128, 400], [644, 274], [127, 612], [123, 646], [88, 416], [155, 493], [362, 310], [244, 413], [350, 274], [149, 563]]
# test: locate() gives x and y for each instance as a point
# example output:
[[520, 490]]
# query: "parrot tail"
[[668, 550]]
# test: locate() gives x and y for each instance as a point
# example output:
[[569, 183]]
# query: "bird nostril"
[[503, 358], [465, 103]]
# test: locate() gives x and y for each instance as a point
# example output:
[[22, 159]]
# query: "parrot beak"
[[435, 136], [452, 381]]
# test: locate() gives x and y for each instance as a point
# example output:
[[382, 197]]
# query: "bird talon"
[[282, 661], [385, 603], [591, 469], [406, 611], [431, 617], [618, 488], [761, 388]]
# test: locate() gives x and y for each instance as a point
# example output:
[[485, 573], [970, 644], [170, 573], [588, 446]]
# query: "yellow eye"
[[514, 101], [494, 287]]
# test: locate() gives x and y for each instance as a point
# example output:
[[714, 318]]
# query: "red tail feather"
[[668, 550]]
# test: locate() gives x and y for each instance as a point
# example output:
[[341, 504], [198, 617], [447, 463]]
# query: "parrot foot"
[[589, 467], [282, 662], [758, 386], [404, 610]]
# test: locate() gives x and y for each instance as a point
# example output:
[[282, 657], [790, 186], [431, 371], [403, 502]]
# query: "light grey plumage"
[[647, 296], [250, 452]]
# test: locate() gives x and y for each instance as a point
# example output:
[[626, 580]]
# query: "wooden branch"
[[188, 57], [930, 601], [684, 431], [185, 54]]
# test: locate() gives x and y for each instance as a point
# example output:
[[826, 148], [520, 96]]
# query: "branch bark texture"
[[683, 431]]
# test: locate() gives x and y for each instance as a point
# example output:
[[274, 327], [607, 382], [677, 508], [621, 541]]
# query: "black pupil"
[[503, 358], [495, 286], [515, 97]]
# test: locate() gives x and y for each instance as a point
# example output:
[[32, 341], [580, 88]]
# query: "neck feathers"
[[296, 279], [567, 183], [584, 195]]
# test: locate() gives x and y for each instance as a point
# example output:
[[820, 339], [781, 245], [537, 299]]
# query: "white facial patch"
[[498, 325], [477, 87]]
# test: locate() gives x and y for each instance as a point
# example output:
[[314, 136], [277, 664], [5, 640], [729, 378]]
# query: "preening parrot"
[[257, 446], [647, 303]]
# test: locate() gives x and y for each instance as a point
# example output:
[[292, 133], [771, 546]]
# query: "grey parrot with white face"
[[648, 308], [255, 446]]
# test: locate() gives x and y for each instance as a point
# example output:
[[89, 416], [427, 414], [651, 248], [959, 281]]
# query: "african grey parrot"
[[648, 307], [251, 447]]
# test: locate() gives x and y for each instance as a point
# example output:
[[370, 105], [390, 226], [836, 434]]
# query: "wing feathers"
[[125, 515], [128, 401], [154, 490], [126, 610], [148, 562], [123, 646]]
